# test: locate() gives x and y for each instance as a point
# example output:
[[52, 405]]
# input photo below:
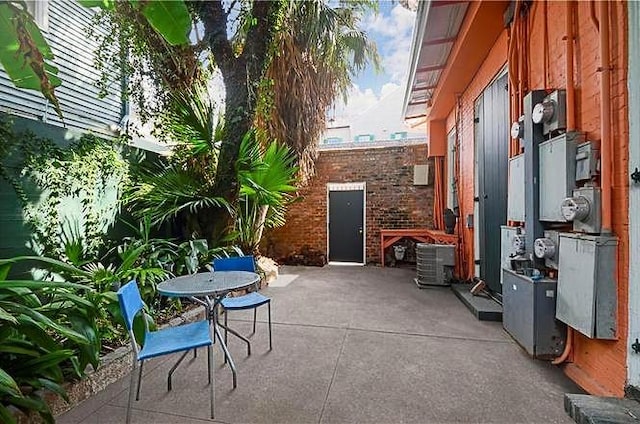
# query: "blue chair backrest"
[[130, 302], [234, 263]]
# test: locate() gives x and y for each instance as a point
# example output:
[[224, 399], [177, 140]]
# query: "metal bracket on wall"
[[635, 176]]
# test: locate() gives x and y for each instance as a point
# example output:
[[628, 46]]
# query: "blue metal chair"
[[252, 300], [162, 342]]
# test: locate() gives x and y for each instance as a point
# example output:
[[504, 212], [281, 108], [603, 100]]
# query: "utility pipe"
[[592, 14], [511, 64], [571, 101], [605, 118], [568, 347]]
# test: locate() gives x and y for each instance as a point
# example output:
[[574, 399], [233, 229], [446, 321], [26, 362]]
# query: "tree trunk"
[[242, 75]]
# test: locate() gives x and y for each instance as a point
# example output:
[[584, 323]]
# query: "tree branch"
[[259, 36], [215, 32]]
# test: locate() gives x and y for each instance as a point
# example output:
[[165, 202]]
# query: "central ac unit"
[[434, 264]]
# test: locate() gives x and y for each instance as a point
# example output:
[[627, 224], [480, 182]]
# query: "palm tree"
[[314, 59]]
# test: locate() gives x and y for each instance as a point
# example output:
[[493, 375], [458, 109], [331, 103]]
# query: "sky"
[[391, 29]]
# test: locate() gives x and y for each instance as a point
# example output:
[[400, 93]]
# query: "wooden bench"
[[422, 235]]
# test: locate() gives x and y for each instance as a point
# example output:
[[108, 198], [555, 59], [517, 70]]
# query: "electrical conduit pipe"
[[568, 347], [571, 117], [606, 179]]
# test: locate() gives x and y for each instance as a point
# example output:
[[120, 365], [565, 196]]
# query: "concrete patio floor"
[[353, 345]]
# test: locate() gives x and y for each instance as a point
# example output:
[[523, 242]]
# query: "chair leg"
[[209, 365], [212, 384], [226, 332], [139, 381], [131, 390], [255, 316], [269, 311], [172, 370]]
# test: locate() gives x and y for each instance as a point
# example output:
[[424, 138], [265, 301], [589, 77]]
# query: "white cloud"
[[393, 33], [358, 101], [388, 88]]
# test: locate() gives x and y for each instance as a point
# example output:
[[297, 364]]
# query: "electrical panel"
[[557, 173], [587, 296], [515, 198], [421, 175], [587, 158], [583, 209], [551, 112]]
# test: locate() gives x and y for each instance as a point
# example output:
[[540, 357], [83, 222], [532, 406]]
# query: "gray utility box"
[[587, 284], [586, 161], [515, 199], [528, 314], [557, 173]]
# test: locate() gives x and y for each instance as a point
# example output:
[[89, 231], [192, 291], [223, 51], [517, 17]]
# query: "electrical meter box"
[[586, 161], [528, 314], [557, 173], [515, 199], [507, 250], [587, 299]]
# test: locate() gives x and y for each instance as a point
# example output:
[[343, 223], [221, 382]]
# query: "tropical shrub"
[[267, 177], [47, 334]]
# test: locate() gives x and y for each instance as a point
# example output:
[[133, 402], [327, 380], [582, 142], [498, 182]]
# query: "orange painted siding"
[[598, 366]]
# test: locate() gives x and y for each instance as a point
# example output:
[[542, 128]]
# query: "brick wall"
[[392, 201]]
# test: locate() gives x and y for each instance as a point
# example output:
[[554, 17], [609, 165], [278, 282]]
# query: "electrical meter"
[[543, 112], [518, 244], [575, 208], [544, 248]]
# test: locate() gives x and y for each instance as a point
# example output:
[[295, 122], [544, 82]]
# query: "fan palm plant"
[[267, 177], [182, 188]]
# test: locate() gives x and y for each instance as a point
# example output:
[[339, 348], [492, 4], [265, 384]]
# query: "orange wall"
[[598, 366]]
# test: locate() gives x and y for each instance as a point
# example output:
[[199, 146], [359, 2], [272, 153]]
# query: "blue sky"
[[391, 29]]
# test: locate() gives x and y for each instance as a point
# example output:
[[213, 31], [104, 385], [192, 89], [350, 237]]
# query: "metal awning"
[[435, 32]]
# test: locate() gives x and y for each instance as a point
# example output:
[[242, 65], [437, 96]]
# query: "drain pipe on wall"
[[605, 118], [571, 125], [571, 97]]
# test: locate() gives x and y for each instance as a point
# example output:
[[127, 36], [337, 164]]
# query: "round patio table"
[[202, 284], [208, 289]]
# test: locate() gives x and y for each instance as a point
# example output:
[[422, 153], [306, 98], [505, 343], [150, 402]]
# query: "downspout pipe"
[[606, 179], [568, 347], [571, 97]]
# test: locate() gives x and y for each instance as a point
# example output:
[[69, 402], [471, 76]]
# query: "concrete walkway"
[[353, 345]]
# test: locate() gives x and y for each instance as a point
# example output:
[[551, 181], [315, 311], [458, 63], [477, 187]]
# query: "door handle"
[[360, 230]]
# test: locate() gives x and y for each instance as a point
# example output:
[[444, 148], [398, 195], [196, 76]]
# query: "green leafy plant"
[[267, 177], [63, 190], [25, 54], [47, 333]]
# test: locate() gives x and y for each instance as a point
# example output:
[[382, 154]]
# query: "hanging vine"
[[73, 191]]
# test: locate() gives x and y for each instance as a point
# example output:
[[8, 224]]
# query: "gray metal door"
[[492, 125], [346, 227]]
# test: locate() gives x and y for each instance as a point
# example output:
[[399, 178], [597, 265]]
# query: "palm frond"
[[164, 193]]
